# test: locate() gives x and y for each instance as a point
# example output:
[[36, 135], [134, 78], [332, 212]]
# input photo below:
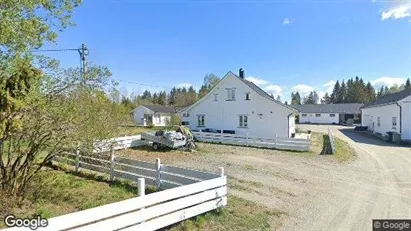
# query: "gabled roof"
[[250, 84], [390, 98], [348, 108], [161, 108], [261, 92]]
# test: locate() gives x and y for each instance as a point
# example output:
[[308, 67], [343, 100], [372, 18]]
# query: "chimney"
[[241, 73]]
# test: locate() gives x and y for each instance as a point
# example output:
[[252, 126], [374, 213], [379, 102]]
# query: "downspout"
[[400, 116]]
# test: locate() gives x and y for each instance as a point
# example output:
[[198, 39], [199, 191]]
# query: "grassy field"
[[56, 192], [343, 151]]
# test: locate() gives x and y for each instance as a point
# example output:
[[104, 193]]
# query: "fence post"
[[158, 171], [141, 191], [246, 139], [221, 171], [77, 160], [112, 163]]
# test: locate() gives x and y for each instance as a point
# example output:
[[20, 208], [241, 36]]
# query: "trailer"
[[161, 141]]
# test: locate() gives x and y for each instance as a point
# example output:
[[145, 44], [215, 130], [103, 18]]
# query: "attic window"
[[247, 96], [230, 94], [215, 97]]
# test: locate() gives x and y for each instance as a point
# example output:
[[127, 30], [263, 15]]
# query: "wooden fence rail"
[[235, 139]]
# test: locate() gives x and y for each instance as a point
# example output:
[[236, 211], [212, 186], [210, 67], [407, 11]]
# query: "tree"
[[28, 24], [295, 98], [312, 98], [210, 80], [335, 92], [370, 93], [341, 93], [393, 89], [408, 84], [278, 98], [162, 98], [44, 115], [380, 92], [326, 99]]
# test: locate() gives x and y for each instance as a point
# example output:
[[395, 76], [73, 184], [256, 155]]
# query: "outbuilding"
[[329, 113], [390, 113], [153, 115]]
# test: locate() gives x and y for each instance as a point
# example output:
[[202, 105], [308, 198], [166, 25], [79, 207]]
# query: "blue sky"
[[282, 45]]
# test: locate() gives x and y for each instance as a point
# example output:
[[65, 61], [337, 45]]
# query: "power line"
[[142, 84]]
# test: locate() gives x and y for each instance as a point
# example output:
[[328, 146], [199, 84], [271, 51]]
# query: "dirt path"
[[316, 193]]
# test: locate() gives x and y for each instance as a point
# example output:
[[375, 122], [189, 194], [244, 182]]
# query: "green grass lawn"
[[343, 151], [55, 192]]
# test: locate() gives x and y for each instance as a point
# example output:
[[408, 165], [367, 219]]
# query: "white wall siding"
[[265, 117], [325, 118], [406, 118], [158, 118], [385, 113], [138, 115]]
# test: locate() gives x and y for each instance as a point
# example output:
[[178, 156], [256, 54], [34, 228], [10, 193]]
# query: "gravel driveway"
[[316, 193]]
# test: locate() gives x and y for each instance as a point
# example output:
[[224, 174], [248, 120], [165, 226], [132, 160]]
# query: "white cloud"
[[186, 85], [402, 11], [257, 81], [373, 1], [287, 21], [302, 89], [330, 83], [387, 81], [273, 89]]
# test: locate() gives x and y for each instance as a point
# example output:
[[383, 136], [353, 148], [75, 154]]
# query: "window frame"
[[201, 123], [247, 96], [304, 115], [317, 115], [378, 121], [394, 122], [230, 94], [243, 121], [332, 114], [216, 97]]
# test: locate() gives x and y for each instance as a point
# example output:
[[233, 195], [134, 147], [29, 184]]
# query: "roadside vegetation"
[[343, 151]]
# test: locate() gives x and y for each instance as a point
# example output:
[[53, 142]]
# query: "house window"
[[230, 94], [332, 115], [186, 115], [185, 123], [247, 96], [394, 122], [378, 121], [304, 115], [215, 97], [317, 115], [243, 121], [200, 120]]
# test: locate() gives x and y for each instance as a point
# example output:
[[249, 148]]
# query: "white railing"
[[234, 139], [332, 142], [187, 193], [119, 143]]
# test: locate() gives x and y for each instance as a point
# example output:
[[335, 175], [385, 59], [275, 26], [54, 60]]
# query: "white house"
[[390, 113], [156, 115], [236, 105], [329, 113]]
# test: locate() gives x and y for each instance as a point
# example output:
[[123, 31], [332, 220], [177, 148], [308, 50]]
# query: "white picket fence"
[[234, 139], [184, 194], [332, 142]]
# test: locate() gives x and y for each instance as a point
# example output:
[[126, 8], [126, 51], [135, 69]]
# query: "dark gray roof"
[[261, 91], [349, 108], [162, 109], [390, 98]]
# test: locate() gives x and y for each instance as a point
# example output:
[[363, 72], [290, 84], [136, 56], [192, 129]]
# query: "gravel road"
[[316, 193]]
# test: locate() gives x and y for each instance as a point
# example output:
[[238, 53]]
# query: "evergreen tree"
[[278, 98], [326, 99], [146, 95], [171, 96], [162, 98], [341, 94], [154, 99], [312, 98], [370, 93], [408, 84], [335, 92], [386, 90], [380, 92]]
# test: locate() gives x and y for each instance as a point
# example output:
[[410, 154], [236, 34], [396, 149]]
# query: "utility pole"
[[83, 51]]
